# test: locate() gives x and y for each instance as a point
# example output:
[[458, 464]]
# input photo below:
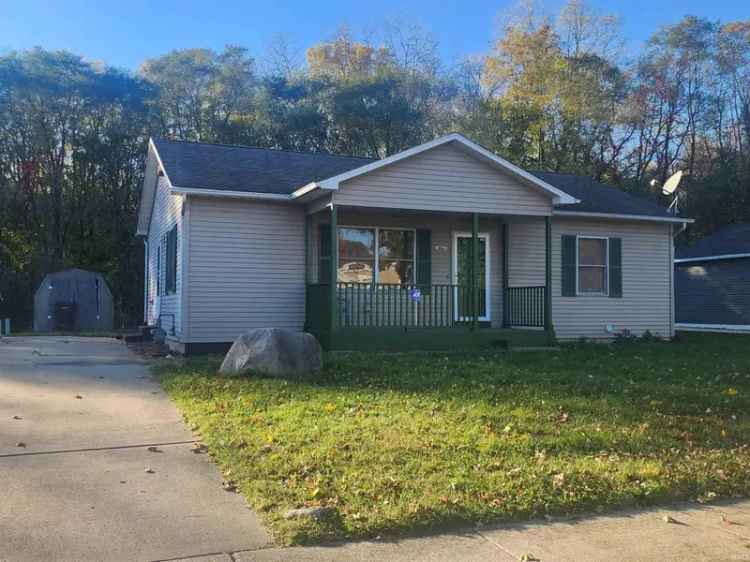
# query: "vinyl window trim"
[[605, 292]]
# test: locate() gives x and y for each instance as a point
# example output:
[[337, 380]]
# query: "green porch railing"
[[524, 306], [367, 305]]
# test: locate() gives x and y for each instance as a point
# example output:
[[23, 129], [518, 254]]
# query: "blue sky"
[[124, 33]]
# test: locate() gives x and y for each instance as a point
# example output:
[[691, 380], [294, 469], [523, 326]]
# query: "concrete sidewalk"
[[77, 416], [716, 532]]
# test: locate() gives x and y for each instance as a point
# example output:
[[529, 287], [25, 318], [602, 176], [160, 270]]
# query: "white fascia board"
[[712, 327], [229, 193], [158, 159], [713, 258], [583, 214], [305, 189], [152, 187], [559, 197]]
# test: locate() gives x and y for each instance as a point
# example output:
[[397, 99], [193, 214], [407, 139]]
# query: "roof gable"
[[445, 178], [477, 151]]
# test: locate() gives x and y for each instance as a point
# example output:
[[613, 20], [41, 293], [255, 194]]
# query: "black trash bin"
[[65, 316]]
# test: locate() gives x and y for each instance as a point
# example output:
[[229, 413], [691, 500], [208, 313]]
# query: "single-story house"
[[712, 281], [444, 245]]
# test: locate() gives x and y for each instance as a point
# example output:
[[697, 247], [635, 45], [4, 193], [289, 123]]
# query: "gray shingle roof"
[[732, 239], [716, 292], [600, 198], [263, 170], [254, 170]]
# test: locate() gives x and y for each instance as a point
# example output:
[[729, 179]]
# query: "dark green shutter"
[[324, 253], [568, 262], [171, 259], [424, 259], [615, 267]]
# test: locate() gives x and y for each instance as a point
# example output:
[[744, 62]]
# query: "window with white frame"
[[379, 255], [592, 265]]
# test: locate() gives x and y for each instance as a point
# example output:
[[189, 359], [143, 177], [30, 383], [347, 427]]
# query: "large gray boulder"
[[274, 352]]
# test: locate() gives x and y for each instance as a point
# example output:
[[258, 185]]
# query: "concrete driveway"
[[77, 416]]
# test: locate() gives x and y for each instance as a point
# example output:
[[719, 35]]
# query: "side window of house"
[[170, 281], [592, 265]]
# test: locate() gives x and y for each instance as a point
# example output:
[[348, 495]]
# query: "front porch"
[[424, 280]]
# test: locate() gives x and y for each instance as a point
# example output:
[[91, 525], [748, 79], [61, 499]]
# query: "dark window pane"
[[356, 243], [592, 251], [396, 244], [355, 271], [591, 279], [395, 271]]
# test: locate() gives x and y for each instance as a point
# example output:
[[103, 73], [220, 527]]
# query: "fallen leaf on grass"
[[558, 480]]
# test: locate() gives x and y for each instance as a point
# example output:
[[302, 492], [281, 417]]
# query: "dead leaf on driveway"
[[79, 397], [20, 444], [153, 449], [528, 557], [669, 519], [149, 470], [17, 418]]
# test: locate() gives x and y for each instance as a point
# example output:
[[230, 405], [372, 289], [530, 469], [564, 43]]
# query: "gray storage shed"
[[73, 300]]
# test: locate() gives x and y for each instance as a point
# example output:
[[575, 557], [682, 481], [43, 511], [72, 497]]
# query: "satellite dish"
[[670, 188], [671, 185]]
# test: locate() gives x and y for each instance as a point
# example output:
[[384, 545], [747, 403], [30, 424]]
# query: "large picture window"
[[396, 256], [356, 255], [592, 265], [375, 255]]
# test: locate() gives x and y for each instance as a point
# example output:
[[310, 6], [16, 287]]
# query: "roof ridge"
[[248, 147]]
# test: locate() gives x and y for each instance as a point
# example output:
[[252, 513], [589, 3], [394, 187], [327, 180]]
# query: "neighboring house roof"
[[732, 241], [254, 170], [596, 197], [715, 293]]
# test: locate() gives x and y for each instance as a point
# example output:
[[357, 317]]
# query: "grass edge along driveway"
[[402, 443]]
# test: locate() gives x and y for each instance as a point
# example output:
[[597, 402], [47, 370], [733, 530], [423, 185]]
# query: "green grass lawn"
[[405, 442]]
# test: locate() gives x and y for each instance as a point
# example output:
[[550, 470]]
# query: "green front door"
[[462, 276]]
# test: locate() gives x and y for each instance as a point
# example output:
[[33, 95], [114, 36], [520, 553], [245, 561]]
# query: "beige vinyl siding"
[[247, 267], [443, 179], [646, 278], [526, 253], [442, 227], [166, 213]]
